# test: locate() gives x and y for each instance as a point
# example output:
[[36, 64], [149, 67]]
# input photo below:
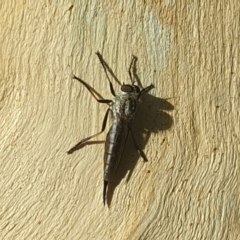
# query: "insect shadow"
[[150, 118]]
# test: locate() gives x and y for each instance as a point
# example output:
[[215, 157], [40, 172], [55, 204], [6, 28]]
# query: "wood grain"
[[188, 125]]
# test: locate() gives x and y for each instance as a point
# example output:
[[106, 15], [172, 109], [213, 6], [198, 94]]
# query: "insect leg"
[[130, 67], [105, 70], [93, 92], [85, 140], [146, 89], [142, 154]]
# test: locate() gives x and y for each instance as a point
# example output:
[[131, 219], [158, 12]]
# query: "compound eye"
[[127, 88]]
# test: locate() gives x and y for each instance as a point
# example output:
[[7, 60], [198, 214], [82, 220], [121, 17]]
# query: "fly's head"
[[129, 96], [131, 90]]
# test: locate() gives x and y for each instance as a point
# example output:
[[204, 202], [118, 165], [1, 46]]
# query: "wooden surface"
[[188, 125]]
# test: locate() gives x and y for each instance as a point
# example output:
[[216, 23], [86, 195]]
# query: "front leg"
[[93, 92]]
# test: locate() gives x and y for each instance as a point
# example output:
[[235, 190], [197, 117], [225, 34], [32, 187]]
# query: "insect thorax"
[[125, 106]]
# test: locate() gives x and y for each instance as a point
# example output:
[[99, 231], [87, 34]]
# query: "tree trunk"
[[188, 125]]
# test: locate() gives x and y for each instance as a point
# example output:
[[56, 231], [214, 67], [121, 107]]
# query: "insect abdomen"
[[115, 142]]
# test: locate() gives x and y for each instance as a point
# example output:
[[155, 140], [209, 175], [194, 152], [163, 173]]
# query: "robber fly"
[[123, 108]]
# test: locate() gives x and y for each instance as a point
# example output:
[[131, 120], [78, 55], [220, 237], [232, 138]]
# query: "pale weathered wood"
[[189, 189]]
